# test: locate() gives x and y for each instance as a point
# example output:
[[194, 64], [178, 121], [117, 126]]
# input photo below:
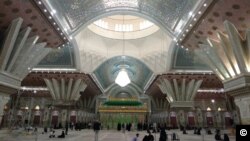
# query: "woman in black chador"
[[163, 136]]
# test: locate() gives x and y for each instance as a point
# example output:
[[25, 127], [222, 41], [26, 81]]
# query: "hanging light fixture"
[[122, 78]]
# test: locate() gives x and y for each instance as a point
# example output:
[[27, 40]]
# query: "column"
[[228, 56], [3, 101]]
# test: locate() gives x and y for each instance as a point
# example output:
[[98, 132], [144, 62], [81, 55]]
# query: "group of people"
[[217, 136], [124, 127], [52, 134], [148, 136]]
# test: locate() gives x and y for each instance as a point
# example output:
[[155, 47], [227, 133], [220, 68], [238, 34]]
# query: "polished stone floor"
[[104, 135]]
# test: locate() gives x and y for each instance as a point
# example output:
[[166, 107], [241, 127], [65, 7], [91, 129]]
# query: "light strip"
[[53, 69], [211, 90], [34, 88]]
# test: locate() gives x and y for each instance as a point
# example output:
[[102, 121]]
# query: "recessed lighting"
[[182, 46], [50, 17], [175, 39], [183, 35], [61, 33], [70, 37], [187, 30], [39, 2], [199, 12], [205, 5], [45, 10], [190, 13], [186, 49], [58, 28], [53, 11], [64, 38], [54, 23], [195, 19], [63, 45], [190, 25]]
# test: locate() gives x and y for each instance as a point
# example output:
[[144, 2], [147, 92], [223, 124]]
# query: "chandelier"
[[122, 78]]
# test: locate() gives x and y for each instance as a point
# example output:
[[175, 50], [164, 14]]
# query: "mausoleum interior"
[[171, 63]]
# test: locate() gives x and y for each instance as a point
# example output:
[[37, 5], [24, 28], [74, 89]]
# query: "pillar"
[[228, 57], [3, 101]]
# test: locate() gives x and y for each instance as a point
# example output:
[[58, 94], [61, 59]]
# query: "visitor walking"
[[136, 137]]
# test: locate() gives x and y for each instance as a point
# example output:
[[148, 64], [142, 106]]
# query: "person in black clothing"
[[150, 136], [119, 126], [163, 136], [62, 135], [174, 136], [97, 126], [226, 138], [217, 135], [145, 138], [184, 131]]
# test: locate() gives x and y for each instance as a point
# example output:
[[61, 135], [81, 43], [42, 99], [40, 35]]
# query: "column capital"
[[238, 84]]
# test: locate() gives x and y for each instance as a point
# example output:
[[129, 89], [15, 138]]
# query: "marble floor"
[[104, 135]]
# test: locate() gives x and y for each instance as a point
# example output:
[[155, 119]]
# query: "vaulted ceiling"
[[185, 23]]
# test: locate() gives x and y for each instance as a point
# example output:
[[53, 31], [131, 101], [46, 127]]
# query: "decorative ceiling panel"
[[168, 13], [138, 72], [32, 17], [186, 59], [59, 58], [235, 11]]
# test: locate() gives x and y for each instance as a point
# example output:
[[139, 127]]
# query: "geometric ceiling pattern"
[[59, 58], [168, 13], [76, 14], [32, 17], [188, 60], [138, 72], [235, 11]]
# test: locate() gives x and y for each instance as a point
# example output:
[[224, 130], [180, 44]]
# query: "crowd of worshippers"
[[78, 126]]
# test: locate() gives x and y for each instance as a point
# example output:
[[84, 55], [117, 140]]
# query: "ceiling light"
[[37, 107], [50, 17], [39, 2], [195, 19], [199, 12], [205, 5], [122, 78], [45, 10], [219, 109], [212, 101], [208, 109], [190, 25]]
